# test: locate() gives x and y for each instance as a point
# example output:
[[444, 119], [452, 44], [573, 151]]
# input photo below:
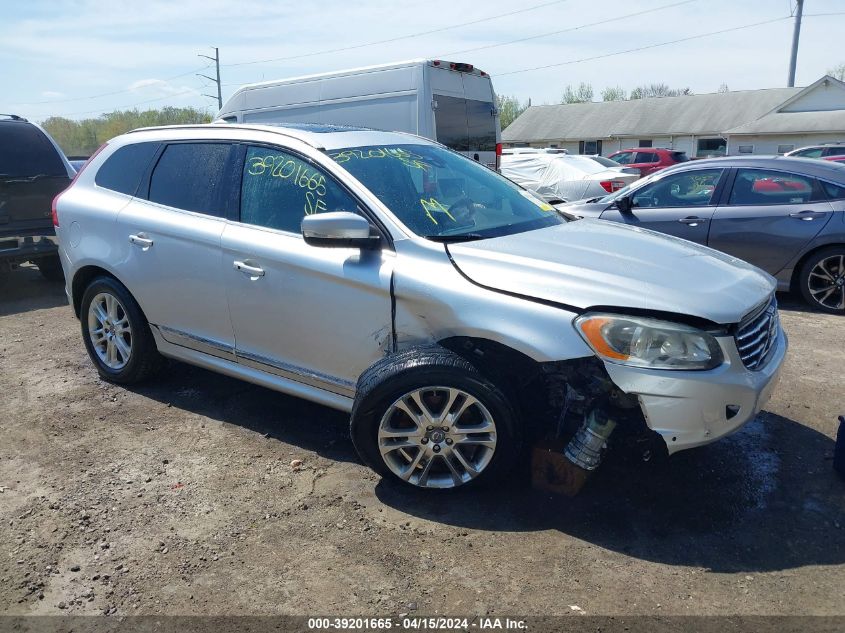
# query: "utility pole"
[[793, 58], [216, 60]]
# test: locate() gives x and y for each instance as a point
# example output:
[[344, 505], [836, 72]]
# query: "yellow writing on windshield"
[[405, 157], [435, 205]]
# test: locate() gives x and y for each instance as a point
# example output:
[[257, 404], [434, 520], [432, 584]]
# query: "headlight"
[[643, 342]]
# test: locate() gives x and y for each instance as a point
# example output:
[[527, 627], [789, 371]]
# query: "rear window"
[[192, 176], [122, 170], [465, 125], [647, 157], [25, 152]]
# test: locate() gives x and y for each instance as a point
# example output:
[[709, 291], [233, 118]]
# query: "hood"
[[596, 263]]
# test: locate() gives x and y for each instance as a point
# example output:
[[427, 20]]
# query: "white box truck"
[[450, 102]]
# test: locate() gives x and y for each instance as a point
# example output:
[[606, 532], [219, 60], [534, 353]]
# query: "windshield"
[[439, 194]]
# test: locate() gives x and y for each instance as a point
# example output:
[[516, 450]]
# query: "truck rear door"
[[465, 113]]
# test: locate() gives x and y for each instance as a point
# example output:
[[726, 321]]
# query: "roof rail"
[[12, 117]]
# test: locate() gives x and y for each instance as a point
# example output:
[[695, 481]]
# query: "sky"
[[81, 58]]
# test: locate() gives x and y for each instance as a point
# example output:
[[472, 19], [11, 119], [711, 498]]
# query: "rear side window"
[[192, 176], [835, 151], [25, 152], [122, 170], [280, 189], [762, 187], [465, 125], [680, 157], [833, 192]]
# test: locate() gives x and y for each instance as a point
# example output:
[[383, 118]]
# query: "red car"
[[648, 159]]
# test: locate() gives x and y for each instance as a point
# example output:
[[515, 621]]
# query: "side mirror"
[[624, 204], [339, 229]]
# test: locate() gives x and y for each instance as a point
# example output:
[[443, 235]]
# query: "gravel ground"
[[180, 497]]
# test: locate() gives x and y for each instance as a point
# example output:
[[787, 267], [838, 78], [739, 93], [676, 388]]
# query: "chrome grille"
[[757, 335]]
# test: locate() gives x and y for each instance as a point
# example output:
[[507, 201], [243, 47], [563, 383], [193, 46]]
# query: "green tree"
[[82, 138], [838, 72], [658, 90], [582, 94], [613, 93], [509, 109]]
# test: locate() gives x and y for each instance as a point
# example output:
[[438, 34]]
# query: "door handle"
[[692, 220], [252, 271], [807, 215], [141, 240]]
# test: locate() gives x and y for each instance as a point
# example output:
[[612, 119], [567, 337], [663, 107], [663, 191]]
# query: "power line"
[[132, 105], [115, 92], [573, 28], [641, 48], [396, 39]]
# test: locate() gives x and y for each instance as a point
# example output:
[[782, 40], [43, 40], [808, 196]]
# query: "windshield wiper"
[[465, 237]]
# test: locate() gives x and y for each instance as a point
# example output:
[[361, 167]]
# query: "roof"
[[677, 116], [794, 123], [807, 166], [319, 136]]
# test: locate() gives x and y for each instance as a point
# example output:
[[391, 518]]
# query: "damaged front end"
[[593, 414]]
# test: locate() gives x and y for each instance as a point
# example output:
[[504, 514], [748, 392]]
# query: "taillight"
[[611, 185], [53, 208], [498, 156]]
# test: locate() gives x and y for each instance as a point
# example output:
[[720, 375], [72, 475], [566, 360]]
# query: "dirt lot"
[[179, 498]]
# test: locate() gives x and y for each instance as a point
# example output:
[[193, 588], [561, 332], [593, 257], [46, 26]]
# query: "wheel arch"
[[82, 277], [795, 277]]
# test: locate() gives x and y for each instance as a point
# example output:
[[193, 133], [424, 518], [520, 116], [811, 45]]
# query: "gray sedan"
[[785, 215]]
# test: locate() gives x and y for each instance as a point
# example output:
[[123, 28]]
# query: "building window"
[[783, 149], [745, 149], [645, 142], [711, 147], [589, 147]]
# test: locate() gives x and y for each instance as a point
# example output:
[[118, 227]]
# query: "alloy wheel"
[[826, 282], [437, 437], [110, 331]]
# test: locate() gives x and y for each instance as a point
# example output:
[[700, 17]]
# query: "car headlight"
[[644, 342]]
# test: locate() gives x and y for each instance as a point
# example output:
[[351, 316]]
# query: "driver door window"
[[680, 204], [688, 189], [279, 189]]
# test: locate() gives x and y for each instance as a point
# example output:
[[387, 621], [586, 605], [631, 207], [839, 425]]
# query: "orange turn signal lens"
[[592, 332]]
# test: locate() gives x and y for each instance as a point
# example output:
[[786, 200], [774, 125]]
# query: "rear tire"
[[51, 268], [822, 280], [427, 418], [116, 333]]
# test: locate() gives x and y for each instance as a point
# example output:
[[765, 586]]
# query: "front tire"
[[116, 333], [428, 418], [822, 280]]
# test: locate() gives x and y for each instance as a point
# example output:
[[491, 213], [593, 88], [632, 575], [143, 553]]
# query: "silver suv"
[[456, 316]]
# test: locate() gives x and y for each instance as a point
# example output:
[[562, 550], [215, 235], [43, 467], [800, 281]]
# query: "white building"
[[771, 121]]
